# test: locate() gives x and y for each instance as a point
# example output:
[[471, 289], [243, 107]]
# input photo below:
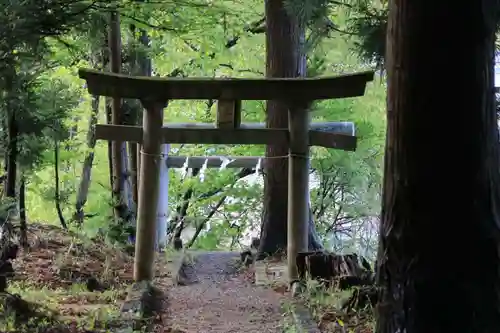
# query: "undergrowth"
[[66, 282], [325, 305]]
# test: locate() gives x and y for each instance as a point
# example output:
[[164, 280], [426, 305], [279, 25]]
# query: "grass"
[[323, 303], [325, 306], [72, 309], [69, 283]]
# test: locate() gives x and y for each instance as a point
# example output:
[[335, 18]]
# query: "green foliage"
[[7, 207], [310, 13], [346, 199], [368, 23], [367, 27], [119, 233], [189, 38]]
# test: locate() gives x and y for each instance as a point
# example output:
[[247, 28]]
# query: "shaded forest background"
[[55, 171]]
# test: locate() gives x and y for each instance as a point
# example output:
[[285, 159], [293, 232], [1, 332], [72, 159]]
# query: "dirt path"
[[222, 301]]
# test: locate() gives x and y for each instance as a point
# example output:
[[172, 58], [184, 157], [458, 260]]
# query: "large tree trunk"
[[284, 59], [439, 253]]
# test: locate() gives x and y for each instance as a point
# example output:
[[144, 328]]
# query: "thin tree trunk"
[[10, 188], [178, 222], [83, 189], [163, 203], [23, 224], [119, 151], [145, 66], [12, 149], [109, 121], [132, 165], [73, 131], [439, 260], [201, 225], [5, 138], [57, 198], [139, 64], [126, 185], [135, 109]]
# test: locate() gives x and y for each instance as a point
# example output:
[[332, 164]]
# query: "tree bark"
[[12, 135], [10, 187], [439, 258], [57, 197], [83, 189], [23, 224], [121, 195], [109, 121], [284, 58], [132, 166], [135, 109]]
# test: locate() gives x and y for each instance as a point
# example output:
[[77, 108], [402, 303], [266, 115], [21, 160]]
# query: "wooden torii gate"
[[155, 93]]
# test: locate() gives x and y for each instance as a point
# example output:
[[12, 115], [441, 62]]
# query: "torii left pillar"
[[149, 189]]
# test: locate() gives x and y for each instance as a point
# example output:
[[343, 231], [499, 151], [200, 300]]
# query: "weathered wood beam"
[[233, 136], [339, 127], [154, 88], [332, 140], [196, 135], [255, 136], [118, 133], [228, 113]]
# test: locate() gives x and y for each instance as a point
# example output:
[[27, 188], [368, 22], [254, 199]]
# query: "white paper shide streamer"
[[202, 171], [185, 168], [258, 167], [224, 162]]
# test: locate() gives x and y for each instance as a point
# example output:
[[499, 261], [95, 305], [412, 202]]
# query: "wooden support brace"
[[228, 113], [332, 140], [149, 188]]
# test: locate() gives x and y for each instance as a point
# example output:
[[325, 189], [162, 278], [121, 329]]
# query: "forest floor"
[[325, 305], [221, 298], [77, 285], [72, 284]]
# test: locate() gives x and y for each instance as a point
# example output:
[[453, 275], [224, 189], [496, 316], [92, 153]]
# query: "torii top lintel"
[[164, 89]]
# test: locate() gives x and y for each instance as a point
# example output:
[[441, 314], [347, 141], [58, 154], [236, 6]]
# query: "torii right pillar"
[[298, 184]]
